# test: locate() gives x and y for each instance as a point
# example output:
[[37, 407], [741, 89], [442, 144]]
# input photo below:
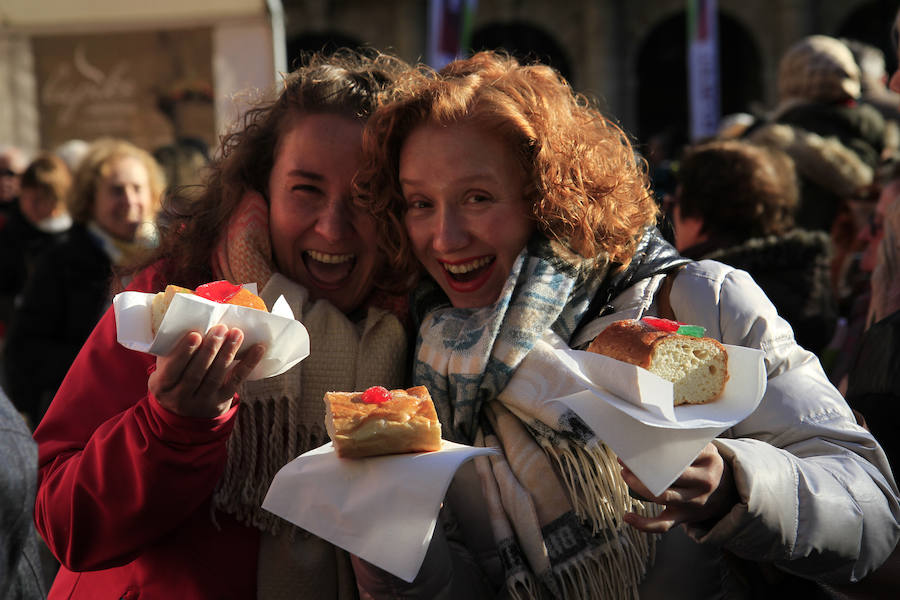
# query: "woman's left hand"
[[705, 491]]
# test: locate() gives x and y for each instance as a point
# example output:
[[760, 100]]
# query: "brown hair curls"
[[588, 189], [345, 83]]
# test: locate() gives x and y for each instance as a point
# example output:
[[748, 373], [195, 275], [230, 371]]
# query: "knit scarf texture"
[[121, 252], [282, 417], [554, 493]]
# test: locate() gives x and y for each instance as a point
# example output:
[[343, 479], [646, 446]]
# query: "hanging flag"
[[703, 68], [450, 30]]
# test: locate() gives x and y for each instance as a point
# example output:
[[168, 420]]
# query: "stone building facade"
[[627, 53]]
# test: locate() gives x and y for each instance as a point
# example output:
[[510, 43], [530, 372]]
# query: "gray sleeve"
[[20, 570], [817, 494]]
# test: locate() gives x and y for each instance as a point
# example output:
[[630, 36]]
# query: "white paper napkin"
[[286, 339], [648, 397], [630, 410], [382, 509]]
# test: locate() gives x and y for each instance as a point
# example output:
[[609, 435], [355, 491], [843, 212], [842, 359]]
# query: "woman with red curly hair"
[[527, 219]]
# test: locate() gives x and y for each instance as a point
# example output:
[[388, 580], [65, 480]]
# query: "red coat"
[[125, 486]]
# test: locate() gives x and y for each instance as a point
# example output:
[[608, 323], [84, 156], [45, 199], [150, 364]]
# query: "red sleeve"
[[116, 470]]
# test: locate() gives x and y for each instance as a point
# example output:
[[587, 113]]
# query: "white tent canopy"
[[247, 47], [69, 15]]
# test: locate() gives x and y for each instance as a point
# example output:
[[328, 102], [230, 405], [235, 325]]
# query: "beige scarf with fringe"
[[543, 479], [282, 417]]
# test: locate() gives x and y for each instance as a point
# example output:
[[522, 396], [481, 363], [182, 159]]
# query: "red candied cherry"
[[218, 291], [662, 324], [376, 395]]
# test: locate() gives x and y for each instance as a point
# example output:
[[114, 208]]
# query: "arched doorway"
[[872, 23], [524, 41], [663, 84], [308, 43]]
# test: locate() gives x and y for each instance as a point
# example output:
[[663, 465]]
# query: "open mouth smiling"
[[468, 271], [327, 269]]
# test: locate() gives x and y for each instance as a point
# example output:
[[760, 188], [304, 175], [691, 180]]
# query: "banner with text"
[[149, 87], [449, 30], [703, 68]]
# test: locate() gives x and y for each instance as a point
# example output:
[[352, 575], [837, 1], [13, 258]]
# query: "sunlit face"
[[36, 204], [124, 199], [467, 216], [321, 240]]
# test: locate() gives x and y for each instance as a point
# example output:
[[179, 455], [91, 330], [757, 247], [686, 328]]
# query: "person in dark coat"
[[735, 204], [116, 195], [21, 574], [31, 224]]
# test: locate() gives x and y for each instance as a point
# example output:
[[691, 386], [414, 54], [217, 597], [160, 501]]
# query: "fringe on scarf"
[[600, 499], [522, 586], [593, 575], [273, 425]]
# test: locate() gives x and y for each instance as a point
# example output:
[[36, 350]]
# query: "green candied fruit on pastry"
[[692, 330], [675, 327]]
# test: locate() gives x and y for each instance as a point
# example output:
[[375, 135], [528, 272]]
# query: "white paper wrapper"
[[630, 410], [285, 338], [382, 509]]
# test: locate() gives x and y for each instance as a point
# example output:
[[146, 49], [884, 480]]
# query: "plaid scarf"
[[555, 499]]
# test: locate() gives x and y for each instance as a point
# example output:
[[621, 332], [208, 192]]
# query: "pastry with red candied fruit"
[[696, 365], [381, 421], [224, 292]]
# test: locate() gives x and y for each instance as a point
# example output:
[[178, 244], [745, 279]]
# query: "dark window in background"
[[309, 43], [663, 84], [872, 23], [525, 42]]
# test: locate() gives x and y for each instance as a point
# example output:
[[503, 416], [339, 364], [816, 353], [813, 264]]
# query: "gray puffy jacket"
[[818, 498]]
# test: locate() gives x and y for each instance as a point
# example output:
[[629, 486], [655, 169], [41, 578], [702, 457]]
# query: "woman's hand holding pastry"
[[705, 491], [200, 377]]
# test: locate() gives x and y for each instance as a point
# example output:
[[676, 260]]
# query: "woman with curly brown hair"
[[152, 473], [529, 219]]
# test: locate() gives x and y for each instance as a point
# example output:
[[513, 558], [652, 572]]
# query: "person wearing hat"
[[835, 141]]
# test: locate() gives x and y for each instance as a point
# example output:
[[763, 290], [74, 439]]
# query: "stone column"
[[19, 124]]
